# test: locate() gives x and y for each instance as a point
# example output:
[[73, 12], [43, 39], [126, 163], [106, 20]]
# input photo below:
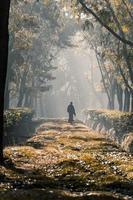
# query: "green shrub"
[[13, 118], [121, 122]]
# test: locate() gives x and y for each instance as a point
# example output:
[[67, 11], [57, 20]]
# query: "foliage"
[[114, 57], [34, 29], [14, 117], [121, 122]]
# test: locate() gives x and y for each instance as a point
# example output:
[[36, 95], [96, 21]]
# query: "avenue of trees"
[[108, 29], [34, 38], [34, 30]]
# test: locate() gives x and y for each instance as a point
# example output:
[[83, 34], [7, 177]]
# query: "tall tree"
[[4, 37], [116, 52], [34, 43]]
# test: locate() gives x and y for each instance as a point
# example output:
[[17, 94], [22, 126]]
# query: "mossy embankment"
[[63, 161], [116, 125]]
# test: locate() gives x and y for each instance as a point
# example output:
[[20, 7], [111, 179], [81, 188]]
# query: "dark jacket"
[[71, 109]]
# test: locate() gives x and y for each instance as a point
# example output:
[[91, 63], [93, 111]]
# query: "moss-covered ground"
[[64, 161]]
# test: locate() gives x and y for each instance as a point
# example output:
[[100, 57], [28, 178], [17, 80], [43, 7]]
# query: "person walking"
[[71, 112]]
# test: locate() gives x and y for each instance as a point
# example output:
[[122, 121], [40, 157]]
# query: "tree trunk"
[[41, 106], [119, 96], [112, 96], [4, 38], [22, 89], [7, 97], [35, 104], [26, 98], [132, 102], [103, 80], [8, 77], [127, 100]]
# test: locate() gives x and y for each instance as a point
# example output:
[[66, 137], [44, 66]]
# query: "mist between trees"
[[59, 53]]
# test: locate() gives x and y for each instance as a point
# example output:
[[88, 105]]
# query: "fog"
[[40, 50], [77, 79]]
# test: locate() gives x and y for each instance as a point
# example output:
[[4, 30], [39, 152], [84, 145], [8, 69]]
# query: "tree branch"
[[88, 10]]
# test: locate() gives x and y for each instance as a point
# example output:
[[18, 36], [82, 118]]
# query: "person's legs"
[[70, 120]]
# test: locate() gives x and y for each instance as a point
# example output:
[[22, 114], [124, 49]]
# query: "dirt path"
[[63, 161]]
